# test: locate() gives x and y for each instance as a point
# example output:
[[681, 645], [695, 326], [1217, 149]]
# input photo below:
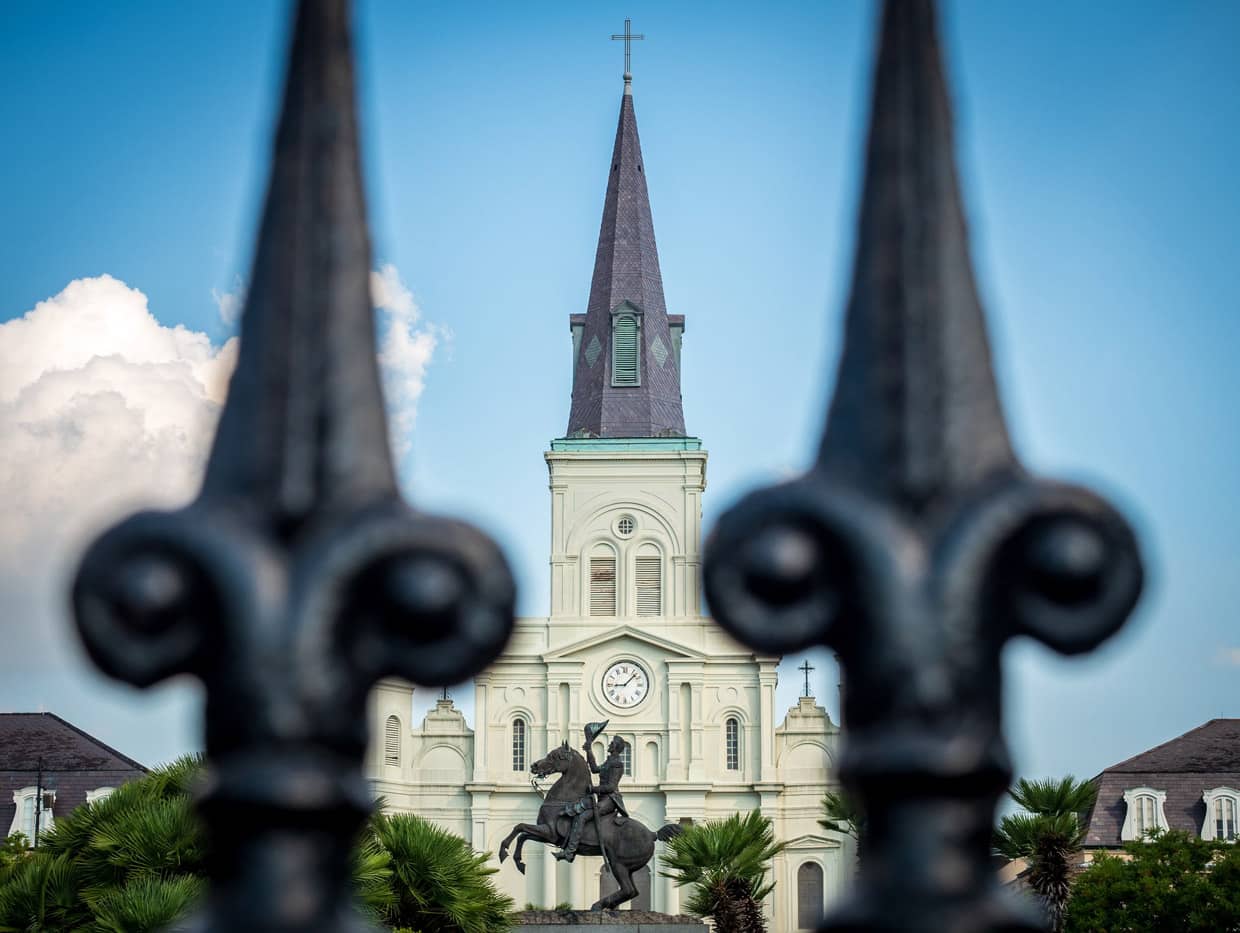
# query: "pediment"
[[621, 633], [812, 841]]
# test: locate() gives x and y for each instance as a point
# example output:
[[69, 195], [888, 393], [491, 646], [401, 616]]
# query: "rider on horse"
[[607, 789]]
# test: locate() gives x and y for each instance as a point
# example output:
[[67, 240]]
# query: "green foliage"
[[1172, 883], [1048, 834], [135, 861], [842, 814], [13, 849], [438, 884], [132, 861], [725, 862]]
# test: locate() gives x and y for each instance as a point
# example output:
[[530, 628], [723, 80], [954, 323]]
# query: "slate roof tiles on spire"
[[626, 269]]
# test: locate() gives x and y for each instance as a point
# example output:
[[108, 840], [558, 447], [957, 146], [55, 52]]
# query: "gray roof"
[[626, 269], [74, 762], [1185, 767]]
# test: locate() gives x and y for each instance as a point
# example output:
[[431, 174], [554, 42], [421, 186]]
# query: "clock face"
[[626, 684]]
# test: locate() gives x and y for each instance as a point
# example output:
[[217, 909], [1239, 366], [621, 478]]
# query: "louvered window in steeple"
[[602, 586], [624, 370], [391, 741], [649, 586]]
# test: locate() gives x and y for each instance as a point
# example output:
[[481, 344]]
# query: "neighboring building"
[[42, 751], [626, 639], [1191, 783]]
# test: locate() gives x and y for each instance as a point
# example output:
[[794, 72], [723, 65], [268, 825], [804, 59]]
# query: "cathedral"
[[626, 639]]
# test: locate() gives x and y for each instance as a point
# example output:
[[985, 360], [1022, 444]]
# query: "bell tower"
[[626, 480]]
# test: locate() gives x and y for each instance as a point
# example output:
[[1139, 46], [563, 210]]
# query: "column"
[[675, 768], [697, 764], [480, 730], [766, 721]]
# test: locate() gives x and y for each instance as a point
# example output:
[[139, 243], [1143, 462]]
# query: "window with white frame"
[[1222, 814], [603, 583], [518, 744], [24, 819], [732, 743], [391, 741], [1145, 813], [649, 573], [809, 895]]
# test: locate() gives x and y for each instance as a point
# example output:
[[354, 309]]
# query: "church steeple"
[[626, 348]]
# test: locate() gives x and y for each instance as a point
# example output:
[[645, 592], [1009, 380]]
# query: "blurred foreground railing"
[[915, 546]]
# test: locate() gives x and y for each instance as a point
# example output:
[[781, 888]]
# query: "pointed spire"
[[915, 413], [626, 276], [304, 420]]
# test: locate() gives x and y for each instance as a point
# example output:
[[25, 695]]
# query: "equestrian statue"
[[585, 818]]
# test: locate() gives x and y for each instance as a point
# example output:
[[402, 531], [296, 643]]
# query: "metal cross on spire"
[[628, 36], [806, 667]]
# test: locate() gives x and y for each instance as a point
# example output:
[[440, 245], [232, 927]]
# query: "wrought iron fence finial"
[[917, 544], [298, 577]]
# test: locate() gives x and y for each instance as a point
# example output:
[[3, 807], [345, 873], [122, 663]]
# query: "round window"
[[625, 526]]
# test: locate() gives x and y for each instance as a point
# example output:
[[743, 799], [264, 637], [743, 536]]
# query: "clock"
[[626, 684]]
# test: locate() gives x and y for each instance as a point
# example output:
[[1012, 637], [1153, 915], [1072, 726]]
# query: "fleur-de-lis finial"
[[917, 544], [298, 577]]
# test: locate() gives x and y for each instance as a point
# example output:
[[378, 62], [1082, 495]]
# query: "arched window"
[[626, 755], [649, 572], [603, 582], [1225, 819], [652, 761], [518, 744], [732, 743], [624, 369], [1145, 813], [809, 896], [1222, 814], [391, 741]]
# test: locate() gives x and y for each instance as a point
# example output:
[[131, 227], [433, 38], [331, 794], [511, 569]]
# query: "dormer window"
[[624, 357], [31, 819], [1145, 813], [1222, 814]]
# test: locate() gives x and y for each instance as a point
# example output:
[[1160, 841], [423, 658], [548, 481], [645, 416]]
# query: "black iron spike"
[[917, 544], [298, 577]]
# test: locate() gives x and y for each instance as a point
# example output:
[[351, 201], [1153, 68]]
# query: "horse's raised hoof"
[[520, 866], [503, 854]]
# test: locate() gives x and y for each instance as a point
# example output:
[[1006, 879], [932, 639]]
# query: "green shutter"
[[624, 352]]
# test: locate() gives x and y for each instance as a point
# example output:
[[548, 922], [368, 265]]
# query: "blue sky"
[[1098, 145]]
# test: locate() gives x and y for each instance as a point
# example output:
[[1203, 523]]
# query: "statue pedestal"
[[606, 921]]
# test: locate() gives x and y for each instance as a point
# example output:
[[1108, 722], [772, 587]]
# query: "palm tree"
[[726, 862], [438, 884], [842, 814], [132, 861], [1047, 835]]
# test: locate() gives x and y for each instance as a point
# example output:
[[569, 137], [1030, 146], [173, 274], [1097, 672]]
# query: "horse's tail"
[[668, 831]]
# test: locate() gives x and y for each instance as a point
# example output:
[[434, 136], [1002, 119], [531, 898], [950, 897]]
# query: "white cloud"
[[104, 410], [1229, 657], [406, 346], [230, 303]]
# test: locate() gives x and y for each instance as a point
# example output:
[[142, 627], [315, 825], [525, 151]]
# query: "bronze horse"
[[629, 843]]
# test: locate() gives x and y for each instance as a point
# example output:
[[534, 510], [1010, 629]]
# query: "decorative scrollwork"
[[917, 544], [298, 577]]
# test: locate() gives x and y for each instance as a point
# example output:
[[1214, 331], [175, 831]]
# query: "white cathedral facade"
[[626, 639]]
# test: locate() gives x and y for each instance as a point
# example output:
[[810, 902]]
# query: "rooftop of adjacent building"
[[1183, 768]]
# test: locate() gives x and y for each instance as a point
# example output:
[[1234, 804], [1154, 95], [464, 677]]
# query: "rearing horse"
[[629, 844]]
